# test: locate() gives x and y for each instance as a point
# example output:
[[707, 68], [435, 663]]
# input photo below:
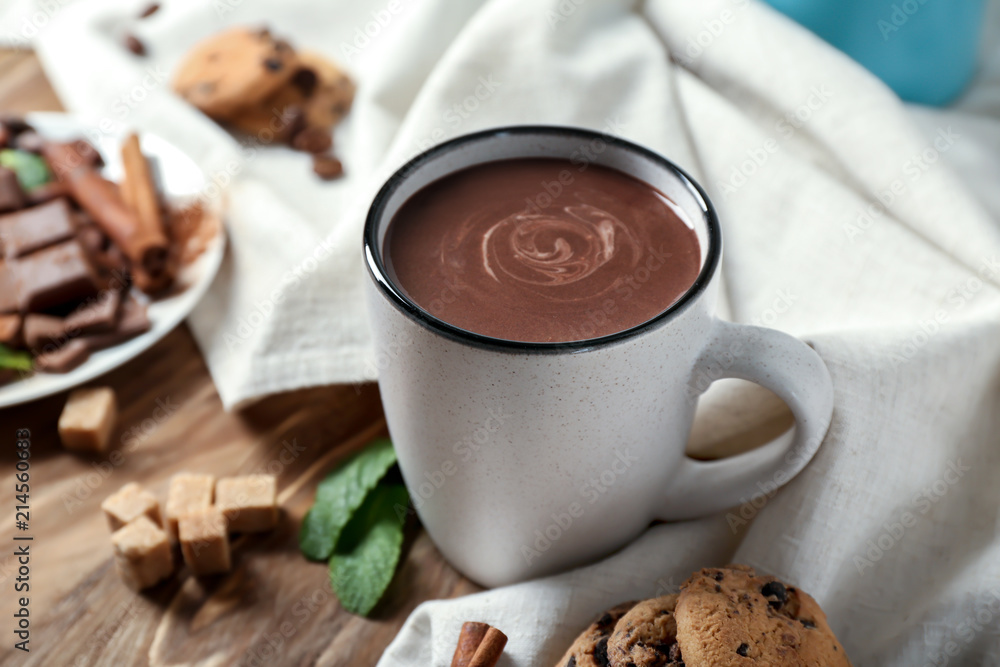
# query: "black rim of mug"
[[396, 296]]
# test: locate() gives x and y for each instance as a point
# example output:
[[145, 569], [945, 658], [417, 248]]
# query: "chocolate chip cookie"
[[646, 636], [321, 90], [730, 617], [591, 648], [234, 70]]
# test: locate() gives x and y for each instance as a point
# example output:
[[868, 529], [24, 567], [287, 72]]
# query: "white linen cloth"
[[895, 526]]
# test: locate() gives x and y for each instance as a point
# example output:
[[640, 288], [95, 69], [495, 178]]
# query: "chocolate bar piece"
[[55, 277], [8, 288], [98, 315], [65, 359], [11, 194], [10, 330], [36, 228], [46, 192], [132, 321], [44, 333]]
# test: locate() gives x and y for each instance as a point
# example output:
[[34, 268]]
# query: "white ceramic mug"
[[527, 458]]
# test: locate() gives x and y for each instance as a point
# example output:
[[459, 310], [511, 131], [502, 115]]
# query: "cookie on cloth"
[[730, 617], [233, 70], [591, 648]]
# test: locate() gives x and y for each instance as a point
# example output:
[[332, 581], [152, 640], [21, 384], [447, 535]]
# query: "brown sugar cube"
[[88, 418], [128, 504], [250, 503], [142, 553], [204, 542], [188, 493]]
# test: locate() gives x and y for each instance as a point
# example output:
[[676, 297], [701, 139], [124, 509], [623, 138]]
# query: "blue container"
[[925, 50]]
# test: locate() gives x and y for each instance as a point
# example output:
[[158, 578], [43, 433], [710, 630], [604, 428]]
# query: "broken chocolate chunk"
[[65, 359], [11, 194], [35, 228], [98, 315], [132, 321], [43, 333], [54, 277]]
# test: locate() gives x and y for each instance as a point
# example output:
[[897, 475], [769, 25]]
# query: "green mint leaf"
[[368, 552], [339, 495], [31, 169], [19, 361]]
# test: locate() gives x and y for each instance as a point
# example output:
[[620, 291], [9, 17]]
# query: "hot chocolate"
[[541, 250]]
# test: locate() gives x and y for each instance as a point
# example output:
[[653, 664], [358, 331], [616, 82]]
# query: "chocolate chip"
[[572, 661], [305, 79], [718, 588], [327, 167], [273, 64], [150, 9], [675, 653], [743, 650], [601, 652], [807, 624], [605, 621], [775, 589], [718, 576], [15, 124], [133, 44]]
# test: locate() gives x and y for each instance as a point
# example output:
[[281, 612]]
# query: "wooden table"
[[275, 608]]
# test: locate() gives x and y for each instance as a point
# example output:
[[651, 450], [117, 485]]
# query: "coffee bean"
[[327, 167], [133, 44]]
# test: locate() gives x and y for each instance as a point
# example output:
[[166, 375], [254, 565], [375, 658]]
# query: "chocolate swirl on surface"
[[538, 250]]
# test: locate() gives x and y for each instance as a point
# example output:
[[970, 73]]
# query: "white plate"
[[181, 179]]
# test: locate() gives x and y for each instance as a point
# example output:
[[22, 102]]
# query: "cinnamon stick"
[[142, 240], [490, 649], [142, 198], [468, 641]]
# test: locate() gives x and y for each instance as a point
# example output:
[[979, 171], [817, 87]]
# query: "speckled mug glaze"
[[523, 459]]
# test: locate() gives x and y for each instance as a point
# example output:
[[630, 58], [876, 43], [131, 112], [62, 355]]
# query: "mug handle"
[[793, 371]]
